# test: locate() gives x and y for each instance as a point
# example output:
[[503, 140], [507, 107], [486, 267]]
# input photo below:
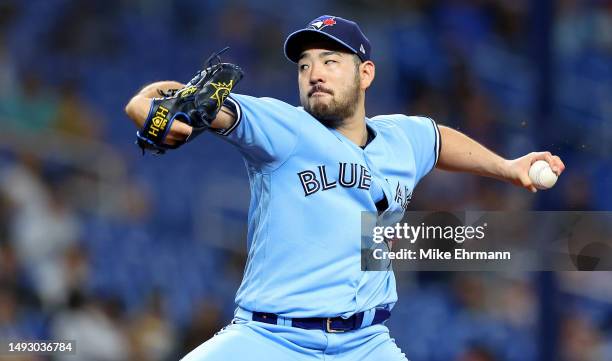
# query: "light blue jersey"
[[309, 185]]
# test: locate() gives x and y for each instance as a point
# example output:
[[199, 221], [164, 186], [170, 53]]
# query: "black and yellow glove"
[[197, 104]]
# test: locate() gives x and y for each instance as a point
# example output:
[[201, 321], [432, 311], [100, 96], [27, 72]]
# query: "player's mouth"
[[318, 90]]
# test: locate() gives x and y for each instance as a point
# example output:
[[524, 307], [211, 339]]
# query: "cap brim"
[[296, 42]]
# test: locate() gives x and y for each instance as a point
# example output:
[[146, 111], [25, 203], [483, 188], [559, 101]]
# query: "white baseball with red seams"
[[542, 175]]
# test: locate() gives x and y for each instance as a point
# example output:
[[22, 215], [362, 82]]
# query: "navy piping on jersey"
[[235, 106], [370, 137], [437, 142]]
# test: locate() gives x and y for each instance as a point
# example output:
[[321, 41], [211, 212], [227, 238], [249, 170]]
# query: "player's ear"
[[367, 71]]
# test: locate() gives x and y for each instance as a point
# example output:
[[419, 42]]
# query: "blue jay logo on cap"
[[319, 24]]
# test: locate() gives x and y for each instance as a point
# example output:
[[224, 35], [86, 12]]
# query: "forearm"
[[463, 154]]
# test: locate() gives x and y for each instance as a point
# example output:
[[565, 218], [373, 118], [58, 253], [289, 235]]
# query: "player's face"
[[329, 84]]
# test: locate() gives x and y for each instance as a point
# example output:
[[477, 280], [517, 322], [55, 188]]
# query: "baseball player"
[[313, 169]]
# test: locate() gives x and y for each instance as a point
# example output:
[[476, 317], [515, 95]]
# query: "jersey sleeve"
[[424, 137], [266, 130]]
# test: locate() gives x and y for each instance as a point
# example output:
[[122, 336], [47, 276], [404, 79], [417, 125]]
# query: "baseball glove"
[[197, 104]]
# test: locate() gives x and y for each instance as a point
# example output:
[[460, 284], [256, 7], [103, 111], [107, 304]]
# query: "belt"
[[328, 324]]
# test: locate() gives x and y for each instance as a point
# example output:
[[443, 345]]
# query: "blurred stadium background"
[[138, 258]]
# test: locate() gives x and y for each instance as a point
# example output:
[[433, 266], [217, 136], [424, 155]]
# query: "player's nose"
[[316, 75]]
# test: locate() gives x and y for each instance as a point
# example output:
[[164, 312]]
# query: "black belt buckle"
[[330, 329]]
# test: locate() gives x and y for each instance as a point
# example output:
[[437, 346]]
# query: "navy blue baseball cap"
[[341, 31]]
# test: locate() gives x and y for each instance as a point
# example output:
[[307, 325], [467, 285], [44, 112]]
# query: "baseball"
[[542, 175]]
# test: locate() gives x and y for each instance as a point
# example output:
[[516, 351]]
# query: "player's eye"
[[329, 61], [303, 67]]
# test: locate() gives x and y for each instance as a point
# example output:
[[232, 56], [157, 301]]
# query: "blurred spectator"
[[76, 267], [513, 302], [580, 339], [95, 325], [13, 277], [152, 337], [470, 292], [9, 325], [18, 320], [42, 228], [205, 323], [74, 116], [31, 106]]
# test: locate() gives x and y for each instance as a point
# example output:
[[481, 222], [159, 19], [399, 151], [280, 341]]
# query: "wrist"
[[504, 170]]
